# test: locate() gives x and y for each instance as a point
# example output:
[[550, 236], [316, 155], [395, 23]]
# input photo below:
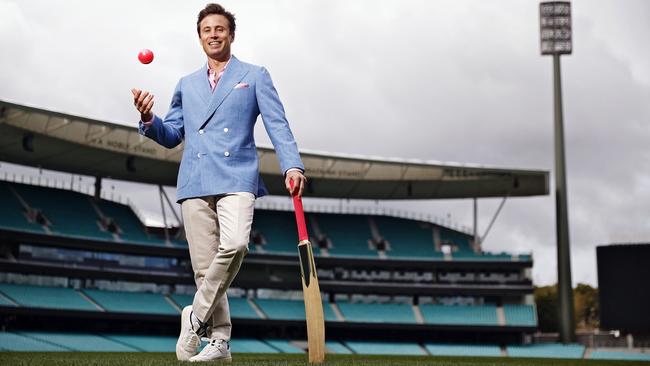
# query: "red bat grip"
[[300, 216]]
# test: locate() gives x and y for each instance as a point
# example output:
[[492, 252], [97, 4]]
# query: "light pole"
[[555, 33]]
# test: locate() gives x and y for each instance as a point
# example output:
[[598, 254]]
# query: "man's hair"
[[216, 9]]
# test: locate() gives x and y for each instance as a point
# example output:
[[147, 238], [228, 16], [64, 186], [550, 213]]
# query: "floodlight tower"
[[555, 33]]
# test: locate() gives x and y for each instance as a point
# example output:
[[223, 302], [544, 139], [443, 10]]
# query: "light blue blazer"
[[219, 154]]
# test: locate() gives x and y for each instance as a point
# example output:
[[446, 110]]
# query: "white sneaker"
[[216, 350], [188, 341]]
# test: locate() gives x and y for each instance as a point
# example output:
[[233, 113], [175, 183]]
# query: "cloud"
[[445, 80]]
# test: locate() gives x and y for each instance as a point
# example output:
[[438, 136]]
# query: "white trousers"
[[218, 231]]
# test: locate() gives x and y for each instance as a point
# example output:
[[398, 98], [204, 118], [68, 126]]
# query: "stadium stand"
[[407, 238], [520, 315], [385, 348], [251, 346], [619, 355], [13, 215], [69, 213], [468, 350], [131, 302], [337, 348], [348, 234], [239, 306], [290, 309], [144, 343], [377, 313], [572, 351], [130, 227], [81, 342], [283, 346], [16, 342], [459, 315], [278, 235], [47, 297]]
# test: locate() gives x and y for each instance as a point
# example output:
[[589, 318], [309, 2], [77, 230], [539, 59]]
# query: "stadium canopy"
[[57, 141]]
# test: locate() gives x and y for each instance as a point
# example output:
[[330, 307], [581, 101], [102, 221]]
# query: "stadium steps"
[[501, 316], [418, 314]]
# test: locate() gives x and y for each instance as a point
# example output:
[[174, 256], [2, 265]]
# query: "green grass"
[[161, 359]]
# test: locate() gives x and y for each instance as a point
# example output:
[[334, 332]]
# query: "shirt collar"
[[210, 71]]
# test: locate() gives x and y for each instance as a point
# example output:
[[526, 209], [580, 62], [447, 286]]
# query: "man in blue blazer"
[[214, 110]]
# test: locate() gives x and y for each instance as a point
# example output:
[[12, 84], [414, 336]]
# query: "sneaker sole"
[[179, 349]]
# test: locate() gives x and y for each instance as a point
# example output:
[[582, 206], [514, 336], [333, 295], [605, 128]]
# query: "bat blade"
[[313, 303]]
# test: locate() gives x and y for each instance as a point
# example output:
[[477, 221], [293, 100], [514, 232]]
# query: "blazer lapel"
[[202, 84], [233, 75]]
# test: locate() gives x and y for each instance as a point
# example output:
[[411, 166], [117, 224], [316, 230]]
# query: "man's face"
[[214, 32]]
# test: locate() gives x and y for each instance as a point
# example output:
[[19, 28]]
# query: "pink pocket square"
[[241, 85]]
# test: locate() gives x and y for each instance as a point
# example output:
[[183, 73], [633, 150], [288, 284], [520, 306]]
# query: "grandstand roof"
[[57, 141]]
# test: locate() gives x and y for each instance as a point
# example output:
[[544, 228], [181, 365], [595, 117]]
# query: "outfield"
[[160, 359]]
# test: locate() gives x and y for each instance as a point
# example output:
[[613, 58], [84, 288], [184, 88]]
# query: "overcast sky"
[[456, 81]]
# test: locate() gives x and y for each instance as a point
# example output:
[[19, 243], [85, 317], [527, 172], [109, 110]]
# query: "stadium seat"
[[145, 343], [337, 348], [239, 306], [385, 348], [245, 345], [81, 342], [283, 345], [70, 213], [467, 350], [290, 309], [47, 297], [131, 228], [619, 355], [348, 234], [131, 302], [459, 315], [573, 351], [407, 238], [16, 342], [377, 313], [523, 315], [278, 229], [12, 215]]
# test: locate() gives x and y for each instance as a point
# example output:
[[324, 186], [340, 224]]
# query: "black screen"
[[624, 287]]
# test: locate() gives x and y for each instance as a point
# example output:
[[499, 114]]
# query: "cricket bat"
[[310, 289]]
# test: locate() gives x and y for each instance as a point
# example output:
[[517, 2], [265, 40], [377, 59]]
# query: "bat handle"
[[300, 216]]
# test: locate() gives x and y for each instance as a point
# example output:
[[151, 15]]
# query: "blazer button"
[[200, 132], [198, 155], [226, 154], [225, 130]]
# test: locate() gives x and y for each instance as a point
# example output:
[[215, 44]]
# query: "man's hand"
[[299, 181], [143, 102]]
